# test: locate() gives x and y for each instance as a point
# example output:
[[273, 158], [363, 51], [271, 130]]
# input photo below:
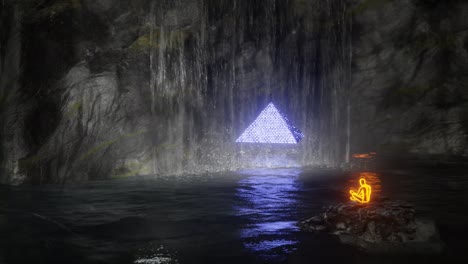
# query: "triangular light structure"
[[271, 127]]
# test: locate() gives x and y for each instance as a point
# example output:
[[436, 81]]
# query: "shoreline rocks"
[[379, 227]]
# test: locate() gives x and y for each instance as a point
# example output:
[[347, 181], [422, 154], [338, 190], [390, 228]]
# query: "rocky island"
[[379, 227]]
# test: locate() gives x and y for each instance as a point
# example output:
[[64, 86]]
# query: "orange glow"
[[363, 194], [362, 156], [369, 155]]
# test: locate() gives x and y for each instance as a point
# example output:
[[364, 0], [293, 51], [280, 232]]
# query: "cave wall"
[[116, 88], [12, 110], [410, 93]]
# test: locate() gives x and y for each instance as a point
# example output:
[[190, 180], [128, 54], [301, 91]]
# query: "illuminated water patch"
[[271, 127], [266, 202]]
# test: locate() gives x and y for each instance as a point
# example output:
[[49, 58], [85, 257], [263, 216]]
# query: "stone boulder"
[[379, 227]]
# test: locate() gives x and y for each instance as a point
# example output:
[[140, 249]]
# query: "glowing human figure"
[[363, 194]]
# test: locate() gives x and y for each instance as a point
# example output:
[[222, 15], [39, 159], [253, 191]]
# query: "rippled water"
[[245, 217]]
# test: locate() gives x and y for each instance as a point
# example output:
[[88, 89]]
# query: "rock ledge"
[[383, 226]]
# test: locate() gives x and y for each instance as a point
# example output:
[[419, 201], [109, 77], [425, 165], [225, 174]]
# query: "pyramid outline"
[[271, 126]]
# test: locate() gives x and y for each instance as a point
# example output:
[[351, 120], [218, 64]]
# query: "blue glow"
[[266, 200], [271, 127]]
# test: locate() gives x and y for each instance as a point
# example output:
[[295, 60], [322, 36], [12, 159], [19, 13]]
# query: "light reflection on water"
[[155, 254], [248, 217], [266, 201]]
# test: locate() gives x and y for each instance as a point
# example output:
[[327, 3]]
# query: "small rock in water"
[[383, 226]]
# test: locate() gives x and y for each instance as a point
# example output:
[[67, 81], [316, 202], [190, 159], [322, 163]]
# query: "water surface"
[[248, 216]]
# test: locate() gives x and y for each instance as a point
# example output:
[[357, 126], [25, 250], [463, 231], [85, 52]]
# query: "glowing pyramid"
[[271, 127]]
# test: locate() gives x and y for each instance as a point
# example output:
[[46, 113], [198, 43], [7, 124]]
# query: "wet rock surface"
[[383, 226], [114, 88]]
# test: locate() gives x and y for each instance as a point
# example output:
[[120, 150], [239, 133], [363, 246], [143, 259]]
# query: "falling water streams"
[[206, 81], [209, 82], [210, 77]]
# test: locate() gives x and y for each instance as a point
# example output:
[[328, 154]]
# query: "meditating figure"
[[363, 194]]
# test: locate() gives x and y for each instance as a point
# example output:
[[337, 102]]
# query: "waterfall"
[[193, 75], [209, 80], [152, 82]]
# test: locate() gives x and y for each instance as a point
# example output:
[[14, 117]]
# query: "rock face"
[[96, 89], [409, 93], [377, 227], [117, 88], [12, 111]]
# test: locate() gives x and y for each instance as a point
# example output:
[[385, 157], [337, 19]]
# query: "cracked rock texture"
[[115, 88], [382, 226]]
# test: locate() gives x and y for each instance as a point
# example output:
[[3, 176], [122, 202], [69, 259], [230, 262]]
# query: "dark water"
[[244, 217]]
